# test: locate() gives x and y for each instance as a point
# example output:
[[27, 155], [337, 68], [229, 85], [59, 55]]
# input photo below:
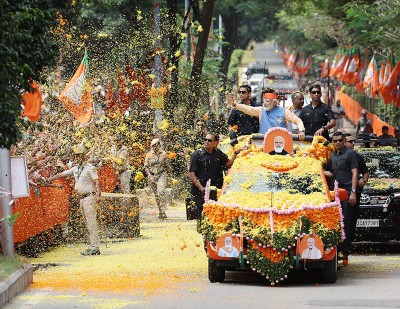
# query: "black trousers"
[[347, 212]]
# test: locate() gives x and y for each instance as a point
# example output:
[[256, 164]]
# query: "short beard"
[[278, 149], [269, 108]]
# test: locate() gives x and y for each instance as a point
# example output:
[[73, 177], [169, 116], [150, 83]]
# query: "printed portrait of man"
[[229, 250], [311, 252], [279, 147]]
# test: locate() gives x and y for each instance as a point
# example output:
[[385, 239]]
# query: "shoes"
[[343, 257], [162, 216], [91, 252]]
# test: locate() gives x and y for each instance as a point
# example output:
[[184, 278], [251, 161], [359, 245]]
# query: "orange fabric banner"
[[32, 102], [353, 113]]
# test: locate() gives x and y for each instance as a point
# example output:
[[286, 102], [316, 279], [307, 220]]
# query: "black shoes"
[[91, 252]]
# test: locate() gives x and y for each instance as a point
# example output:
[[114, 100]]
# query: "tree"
[[196, 82], [243, 22], [27, 46]]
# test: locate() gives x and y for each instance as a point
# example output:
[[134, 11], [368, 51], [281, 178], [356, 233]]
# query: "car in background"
[[379, 219], [256, 68], [254, 82], [281, 83]]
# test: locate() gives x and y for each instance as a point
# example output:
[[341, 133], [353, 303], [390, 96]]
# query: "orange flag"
[[389, 91], [369, 74], [359, 78], [338, 70], [325, 68], [352, 69], [375, 82], [32, 102], [77, 95]]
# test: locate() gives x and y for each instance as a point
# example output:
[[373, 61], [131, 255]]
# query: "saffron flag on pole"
[[389, 90], [369, 74], [77, 95], [32, 102], [325, 68]]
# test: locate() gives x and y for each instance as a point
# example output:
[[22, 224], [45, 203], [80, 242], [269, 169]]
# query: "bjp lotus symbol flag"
[[77, 95]]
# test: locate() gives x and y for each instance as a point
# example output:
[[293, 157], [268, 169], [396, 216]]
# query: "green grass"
[[8, 265]]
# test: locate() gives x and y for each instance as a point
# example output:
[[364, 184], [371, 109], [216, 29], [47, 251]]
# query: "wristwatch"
[[323, 127], [352, 190], [237, 152], [234, 104]]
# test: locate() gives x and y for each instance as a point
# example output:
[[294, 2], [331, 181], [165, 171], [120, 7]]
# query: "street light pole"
[[6, 229]]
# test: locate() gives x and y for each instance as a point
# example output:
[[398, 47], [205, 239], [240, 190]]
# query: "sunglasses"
[[242, 92], [315, 92], [337, 140], [351, 141], [208, 140]]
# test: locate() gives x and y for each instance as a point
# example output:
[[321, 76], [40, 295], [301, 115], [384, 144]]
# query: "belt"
[[84, 195]]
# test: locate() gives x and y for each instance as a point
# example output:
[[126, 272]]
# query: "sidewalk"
[[15, 284]]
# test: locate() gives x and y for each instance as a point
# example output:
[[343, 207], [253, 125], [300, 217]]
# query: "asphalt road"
[[371, 280]]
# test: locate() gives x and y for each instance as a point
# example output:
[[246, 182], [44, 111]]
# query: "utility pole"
[[6, 229], [157, 57]]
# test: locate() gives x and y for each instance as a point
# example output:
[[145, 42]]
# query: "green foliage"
[[376, 24], [8, 265], [26, 47], [234, 65]]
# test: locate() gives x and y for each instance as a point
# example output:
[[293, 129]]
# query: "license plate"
[[368, 223]]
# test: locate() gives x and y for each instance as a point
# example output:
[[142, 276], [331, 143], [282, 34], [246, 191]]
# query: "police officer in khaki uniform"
[[155, 165], [87, 186]]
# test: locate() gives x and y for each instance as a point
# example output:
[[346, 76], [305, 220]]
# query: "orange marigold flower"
[[172, 155]]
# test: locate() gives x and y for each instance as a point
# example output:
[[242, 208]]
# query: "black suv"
[[379, 219]]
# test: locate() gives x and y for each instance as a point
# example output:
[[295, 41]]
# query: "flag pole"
[[157, 57]]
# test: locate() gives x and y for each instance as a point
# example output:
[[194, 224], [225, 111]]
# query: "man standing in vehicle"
[[246, 124], [270, 115], [342, 166], [317, 117], [298, 102], [363, 175]]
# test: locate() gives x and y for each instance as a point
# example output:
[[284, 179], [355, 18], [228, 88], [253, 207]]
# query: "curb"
[[15, 284]]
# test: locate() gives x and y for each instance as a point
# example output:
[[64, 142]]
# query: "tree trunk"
[[174, 43], [196, 74], [231, 26]]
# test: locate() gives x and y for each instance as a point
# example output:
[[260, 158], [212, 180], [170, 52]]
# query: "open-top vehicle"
[[274, 212]]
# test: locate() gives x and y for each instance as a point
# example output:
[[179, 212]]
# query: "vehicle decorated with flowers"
[[379, 219], [270, 207]]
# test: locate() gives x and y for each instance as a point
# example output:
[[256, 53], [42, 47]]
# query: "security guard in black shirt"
[[317, 117]]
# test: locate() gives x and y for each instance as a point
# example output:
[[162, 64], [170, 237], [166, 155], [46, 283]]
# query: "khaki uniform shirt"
[[84, 177]]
